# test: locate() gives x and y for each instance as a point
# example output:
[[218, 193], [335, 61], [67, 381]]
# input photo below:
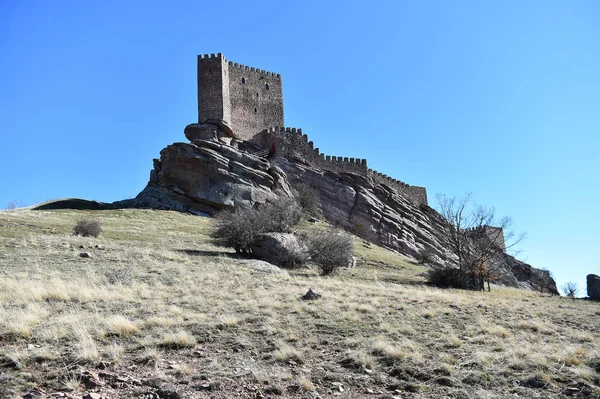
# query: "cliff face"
[[206, 176]]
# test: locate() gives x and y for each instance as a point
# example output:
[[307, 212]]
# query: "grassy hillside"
[[157, 311]]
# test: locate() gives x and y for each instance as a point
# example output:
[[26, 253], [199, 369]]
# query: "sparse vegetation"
[[330, 249], [240, 228], [87, 228], [194, 317], [570, 289], [478, 239]]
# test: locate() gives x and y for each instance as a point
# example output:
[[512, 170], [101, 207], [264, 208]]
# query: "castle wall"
[[256, 100], [496, 234], [290, 142], [250, 100], [213, 88], [415, 194]]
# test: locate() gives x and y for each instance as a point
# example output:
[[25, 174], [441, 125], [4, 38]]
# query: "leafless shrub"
[[87, 228], [478, 239], [330, 249], [237, 229], [11, 205], [240, 228], [279, 217], [570, 289]]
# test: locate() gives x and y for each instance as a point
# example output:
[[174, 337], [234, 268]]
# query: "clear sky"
[[501, 98]]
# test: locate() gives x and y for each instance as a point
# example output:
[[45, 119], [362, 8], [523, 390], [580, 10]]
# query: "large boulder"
[[282, 249], [593, 286]]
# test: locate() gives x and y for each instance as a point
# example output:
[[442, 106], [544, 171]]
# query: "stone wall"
[[416, 194], [256, 100], [495, 234], [248, 99], [213, 88], [290, 142]]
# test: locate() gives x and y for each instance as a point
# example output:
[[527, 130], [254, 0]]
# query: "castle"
[[249, 102], [248, 99]]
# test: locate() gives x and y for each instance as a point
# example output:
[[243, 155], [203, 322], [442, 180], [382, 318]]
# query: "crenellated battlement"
[[247, 68], [291, 142], [213, 56], [250, 100]]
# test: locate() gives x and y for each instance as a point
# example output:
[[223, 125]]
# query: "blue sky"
[[498, 98]]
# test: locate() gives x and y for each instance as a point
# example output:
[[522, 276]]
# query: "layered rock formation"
[[208, 175]]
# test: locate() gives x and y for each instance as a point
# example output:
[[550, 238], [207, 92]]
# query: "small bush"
[[87, 228], [445, 277], [279, 217], [239, 229], [330, 249], [236, 229], [308, 199]]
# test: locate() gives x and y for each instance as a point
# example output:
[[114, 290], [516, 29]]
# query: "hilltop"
[[157, 311]]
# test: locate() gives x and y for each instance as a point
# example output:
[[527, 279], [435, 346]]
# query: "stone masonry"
[[248, 99]]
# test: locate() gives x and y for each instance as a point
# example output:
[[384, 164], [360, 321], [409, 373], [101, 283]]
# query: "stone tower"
[[250, 100]]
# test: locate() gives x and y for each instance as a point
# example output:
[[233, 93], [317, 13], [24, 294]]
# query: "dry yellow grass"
[[161, 300]]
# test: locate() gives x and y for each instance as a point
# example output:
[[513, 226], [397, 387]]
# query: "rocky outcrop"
[[593, 286], [207, 175]]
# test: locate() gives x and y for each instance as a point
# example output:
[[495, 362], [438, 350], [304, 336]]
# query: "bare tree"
[[570, 289], [478, 239]]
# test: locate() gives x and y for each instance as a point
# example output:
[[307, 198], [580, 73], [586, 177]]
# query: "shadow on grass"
[[198, 252]]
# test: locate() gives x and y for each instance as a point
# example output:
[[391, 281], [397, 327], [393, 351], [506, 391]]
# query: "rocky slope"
[[208, 175]]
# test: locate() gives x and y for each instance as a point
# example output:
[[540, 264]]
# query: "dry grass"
[[159, 301]]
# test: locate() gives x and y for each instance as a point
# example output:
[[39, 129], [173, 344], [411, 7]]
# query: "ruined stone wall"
[[213, 88], [256, 100], [494, 234], [415, 194], [290, 142]]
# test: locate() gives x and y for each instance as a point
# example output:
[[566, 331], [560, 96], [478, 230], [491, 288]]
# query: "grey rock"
[[85, 255], [282, 249], [593, 286], [203, 131], [261, 266], [311, 295], [352, 262], [221, 124], [168, 392], [208, 176], [10, 362]]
